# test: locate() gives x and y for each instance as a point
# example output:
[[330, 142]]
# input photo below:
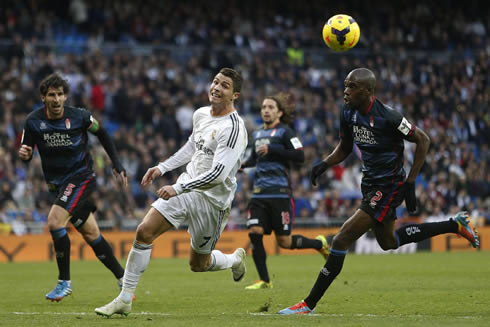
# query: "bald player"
[[379, 132]]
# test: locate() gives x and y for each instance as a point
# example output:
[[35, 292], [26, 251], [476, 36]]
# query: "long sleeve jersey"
[[213, 154]]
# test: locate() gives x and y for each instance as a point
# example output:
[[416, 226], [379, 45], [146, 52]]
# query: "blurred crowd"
[[432, 65]]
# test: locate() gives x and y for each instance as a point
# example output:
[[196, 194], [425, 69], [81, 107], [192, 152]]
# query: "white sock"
[[221, 261], [138, 260]]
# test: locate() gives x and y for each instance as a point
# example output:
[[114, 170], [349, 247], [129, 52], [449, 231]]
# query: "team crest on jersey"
[[67, 123], [43, 125], [213, 134], [354, 118], [371, 121]]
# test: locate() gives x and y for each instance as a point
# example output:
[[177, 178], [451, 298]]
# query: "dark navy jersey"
[[379, 136], [271, 172], [62, 143]]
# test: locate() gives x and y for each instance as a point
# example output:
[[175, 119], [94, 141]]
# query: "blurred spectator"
[[143, 68]]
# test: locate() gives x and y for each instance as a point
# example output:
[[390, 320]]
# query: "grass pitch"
[[423, 289]]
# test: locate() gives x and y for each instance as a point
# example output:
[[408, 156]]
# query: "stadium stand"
[[142, 69]]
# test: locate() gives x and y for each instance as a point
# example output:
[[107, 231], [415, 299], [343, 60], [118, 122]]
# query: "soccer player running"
[[60, 134], [272, 206], [378, 131], [201, 197]]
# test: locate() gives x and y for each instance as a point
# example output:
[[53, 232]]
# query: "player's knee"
[[90, 236], [284, 243], [55, 223], [144, 233], [388, 244], [340, 241]]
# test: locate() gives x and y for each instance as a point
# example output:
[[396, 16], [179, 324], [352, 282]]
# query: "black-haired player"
[[378, 131], [274, 147], [60, 134]]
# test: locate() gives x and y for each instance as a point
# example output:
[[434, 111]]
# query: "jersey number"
[[206, 240], [375, 199], [69, 189]]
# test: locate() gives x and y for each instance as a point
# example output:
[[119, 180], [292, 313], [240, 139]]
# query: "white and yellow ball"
[[341, 33]]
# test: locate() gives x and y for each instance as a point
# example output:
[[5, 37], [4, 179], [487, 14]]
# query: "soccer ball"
[[341, 33]]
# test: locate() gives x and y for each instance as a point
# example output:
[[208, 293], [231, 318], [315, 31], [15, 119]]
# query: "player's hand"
[[410, 199], [166, 192], [263, 150], [150, 175], [25, 152], [120, 173], [317, 170]]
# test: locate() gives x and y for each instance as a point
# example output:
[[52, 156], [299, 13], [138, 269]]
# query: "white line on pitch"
[[87, 313]]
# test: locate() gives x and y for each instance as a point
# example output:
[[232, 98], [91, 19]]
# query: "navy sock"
[[418, 232], [326, 276], [104, 253], [301, 242], [259, 256], [62, 244]]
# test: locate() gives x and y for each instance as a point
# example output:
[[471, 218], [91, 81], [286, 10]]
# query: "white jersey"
[[213, 154]]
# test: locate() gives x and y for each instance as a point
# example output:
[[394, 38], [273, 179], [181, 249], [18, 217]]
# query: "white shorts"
[[206, 222]]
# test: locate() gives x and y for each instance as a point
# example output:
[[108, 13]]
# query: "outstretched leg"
[[350, 231], [152, 226], [297, 241], [414, 233]]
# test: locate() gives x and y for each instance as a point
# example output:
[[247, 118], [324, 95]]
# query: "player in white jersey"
[[202, 195]]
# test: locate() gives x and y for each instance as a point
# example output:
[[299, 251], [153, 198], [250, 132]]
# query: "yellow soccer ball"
[[341, 33]]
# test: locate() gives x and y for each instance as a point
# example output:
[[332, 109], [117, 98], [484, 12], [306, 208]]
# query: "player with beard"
[[60, 133]]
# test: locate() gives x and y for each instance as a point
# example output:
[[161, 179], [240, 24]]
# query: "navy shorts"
[[271, 214], [75, 196], [380, 202]]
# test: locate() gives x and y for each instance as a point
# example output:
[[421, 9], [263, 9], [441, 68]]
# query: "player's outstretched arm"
[[179, 158], [341, 151]]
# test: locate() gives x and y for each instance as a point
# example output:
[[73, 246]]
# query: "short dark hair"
[[53, 80], [285, 103], [235, 77]]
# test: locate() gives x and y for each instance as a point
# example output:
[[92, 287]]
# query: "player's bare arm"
[[422, 140], [150, 175], [25, 152]]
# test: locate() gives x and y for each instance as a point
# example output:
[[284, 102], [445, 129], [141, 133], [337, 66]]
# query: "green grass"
[[424, 289]]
